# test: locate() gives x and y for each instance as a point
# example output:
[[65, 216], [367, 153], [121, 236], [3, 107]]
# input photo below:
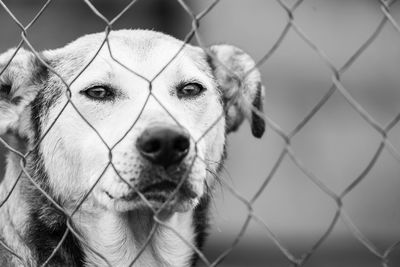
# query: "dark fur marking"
[[5, 89], [40, 72], [210, 62], [201, 224], [201, 215], [257, 122], [49, 93], [16, 100], [46, 224], [17, 142]]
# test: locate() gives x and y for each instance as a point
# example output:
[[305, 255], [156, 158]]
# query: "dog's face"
[[141, 125]]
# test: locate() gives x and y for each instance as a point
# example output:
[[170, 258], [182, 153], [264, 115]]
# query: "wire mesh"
[[287, 151]]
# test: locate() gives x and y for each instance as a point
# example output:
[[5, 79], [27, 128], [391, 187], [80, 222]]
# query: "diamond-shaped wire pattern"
[[287, 153]]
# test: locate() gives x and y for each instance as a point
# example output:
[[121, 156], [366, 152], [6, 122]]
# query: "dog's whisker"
[[214, 161], [55, 148], [211, 195], [216, 176]]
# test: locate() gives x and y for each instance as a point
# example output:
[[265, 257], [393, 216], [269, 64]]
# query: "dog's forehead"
[[143, 51]]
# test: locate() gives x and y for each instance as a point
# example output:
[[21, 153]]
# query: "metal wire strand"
[[286, 153]]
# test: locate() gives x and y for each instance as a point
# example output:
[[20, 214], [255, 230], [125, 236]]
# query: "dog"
[[123, 140]]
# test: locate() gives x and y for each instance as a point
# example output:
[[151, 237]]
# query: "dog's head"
[[143, 124]]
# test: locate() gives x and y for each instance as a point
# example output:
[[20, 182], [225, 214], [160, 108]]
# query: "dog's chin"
[[164, 203]]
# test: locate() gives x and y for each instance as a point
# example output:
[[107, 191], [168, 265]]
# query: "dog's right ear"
[[18, 78], [240, 83]]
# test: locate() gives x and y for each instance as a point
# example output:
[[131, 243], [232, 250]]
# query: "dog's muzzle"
[[166, 179], [165, 147]]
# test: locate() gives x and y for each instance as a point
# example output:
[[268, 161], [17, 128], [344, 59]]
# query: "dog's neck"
[[14, 215], [118, 238]]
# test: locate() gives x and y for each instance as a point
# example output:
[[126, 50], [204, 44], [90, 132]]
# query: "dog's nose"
[[164, 145]]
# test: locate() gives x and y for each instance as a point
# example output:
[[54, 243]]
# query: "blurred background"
[[336, 145]]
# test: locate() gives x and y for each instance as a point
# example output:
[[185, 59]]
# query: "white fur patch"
[[8, 117], [120, 237]]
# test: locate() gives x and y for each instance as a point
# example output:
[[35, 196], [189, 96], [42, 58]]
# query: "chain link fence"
[[287, 152]]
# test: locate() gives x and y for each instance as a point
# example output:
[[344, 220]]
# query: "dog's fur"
[[67, 157]]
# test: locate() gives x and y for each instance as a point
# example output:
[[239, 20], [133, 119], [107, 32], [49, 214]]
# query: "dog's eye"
[[190, 90], [99, 93]]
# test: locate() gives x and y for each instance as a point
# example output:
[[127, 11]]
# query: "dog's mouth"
[[170, 188], [164, 186], [166, 194]]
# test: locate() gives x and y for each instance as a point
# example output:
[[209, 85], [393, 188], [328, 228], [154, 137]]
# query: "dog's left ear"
[[17, 86], [240, 83]]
